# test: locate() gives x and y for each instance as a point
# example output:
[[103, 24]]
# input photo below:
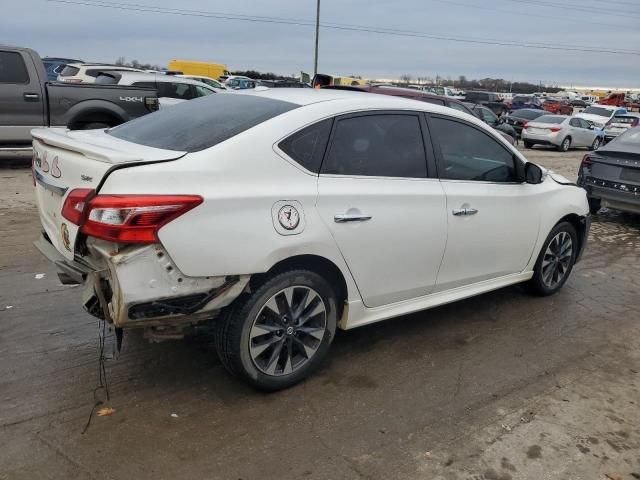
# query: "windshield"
[[601, 112], [628, 120], [551, 119], [195, 125]]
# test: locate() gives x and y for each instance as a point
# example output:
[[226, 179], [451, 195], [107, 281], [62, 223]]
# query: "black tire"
[[596, 144], [565, 145], [233, 332], [95, 126], [594, 205], [527, 144], [538, 284]]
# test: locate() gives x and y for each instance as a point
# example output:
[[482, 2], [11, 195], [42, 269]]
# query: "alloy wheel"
[[566, 143], [288, 330], [596, 144], [557, 259]]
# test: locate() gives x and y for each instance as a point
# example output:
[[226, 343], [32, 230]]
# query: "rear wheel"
[[596, 144], [277, 335], [555, 261], [565, 145]]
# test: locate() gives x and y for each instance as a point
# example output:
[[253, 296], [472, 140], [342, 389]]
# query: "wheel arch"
[[581, 224], [315, 263]]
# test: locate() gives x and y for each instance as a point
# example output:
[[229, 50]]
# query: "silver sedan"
[[561, 131]]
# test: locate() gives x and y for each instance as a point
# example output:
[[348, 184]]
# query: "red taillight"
[[555, 129], [133, 218], [75, 203]]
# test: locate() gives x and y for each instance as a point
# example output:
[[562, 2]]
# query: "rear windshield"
[[194, 125], [528, 114], [550, 119], [602, 112], [69, 71]]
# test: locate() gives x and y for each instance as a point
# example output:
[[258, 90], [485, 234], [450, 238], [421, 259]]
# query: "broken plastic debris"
[[506, 427], [174, 415], [103, 412], [8, 307], [39, 276]]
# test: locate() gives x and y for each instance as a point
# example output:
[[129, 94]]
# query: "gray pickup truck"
[[28, 101]]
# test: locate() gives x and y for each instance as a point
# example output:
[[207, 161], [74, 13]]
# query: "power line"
[[572, 6], [345, 27], [529, 14]]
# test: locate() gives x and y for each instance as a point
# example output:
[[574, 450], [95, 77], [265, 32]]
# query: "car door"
[[386, 214], [579, 136], [21, 98], [589, 131], [493, 217]]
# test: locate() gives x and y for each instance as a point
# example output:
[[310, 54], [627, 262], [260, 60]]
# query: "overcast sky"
[[103, 34]]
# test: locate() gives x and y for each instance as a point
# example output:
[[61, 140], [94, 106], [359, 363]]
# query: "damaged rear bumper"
[[140, 286]]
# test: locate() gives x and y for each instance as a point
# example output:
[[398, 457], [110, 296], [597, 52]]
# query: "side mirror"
[[591, 126], [532, 173]]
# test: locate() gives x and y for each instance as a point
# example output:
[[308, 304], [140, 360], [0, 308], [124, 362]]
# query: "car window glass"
[[435, 101], [308, 145], [470, 154], [377, 145], [457, 106], [202, 92], [12, 68], [488, 116], [584, 123], [69, 71], [574, 122], [142, 84], [175, 90]]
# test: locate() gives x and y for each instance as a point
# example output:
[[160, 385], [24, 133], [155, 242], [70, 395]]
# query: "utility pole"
[[315, 58]]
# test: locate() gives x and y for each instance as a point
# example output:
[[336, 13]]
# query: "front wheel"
[[596, 144], [277, 335], [527, 144], [555, 261]]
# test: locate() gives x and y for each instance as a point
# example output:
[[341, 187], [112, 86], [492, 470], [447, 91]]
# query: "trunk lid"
[[616, 166], [64, 160]]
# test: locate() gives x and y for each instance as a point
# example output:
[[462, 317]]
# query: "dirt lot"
[[502, 386]]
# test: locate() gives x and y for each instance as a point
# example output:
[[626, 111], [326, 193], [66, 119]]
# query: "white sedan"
[[285, 214]]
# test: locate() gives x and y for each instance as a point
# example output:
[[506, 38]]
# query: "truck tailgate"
[[65, 160]]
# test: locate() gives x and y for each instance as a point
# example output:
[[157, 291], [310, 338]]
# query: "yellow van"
[[204, 69]]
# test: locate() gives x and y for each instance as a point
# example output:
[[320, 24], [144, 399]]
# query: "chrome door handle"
[[464, 211], [31, 97], [350, 217]]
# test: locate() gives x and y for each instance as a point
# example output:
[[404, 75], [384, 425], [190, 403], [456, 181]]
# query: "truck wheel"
[[277, 335], [555, 261], [594, 205], [565, 145]]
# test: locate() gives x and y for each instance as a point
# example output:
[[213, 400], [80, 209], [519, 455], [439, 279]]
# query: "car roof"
[[157, 77]]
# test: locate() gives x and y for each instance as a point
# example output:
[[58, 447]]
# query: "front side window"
[[12, 68], [377, 145], [470, 154], [308, 145], [202, 91], [488, 116]]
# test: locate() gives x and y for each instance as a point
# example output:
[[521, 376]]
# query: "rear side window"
[[377, 145], [201, 123], [308, 145], [12, 68], [470, 154], [69, 71]]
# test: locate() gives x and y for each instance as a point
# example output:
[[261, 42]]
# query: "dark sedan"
[[611, 175], [518, 118], [487, 116], [526, 101]]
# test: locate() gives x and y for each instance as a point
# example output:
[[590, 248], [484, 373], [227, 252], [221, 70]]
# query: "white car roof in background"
[[127, 78]]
